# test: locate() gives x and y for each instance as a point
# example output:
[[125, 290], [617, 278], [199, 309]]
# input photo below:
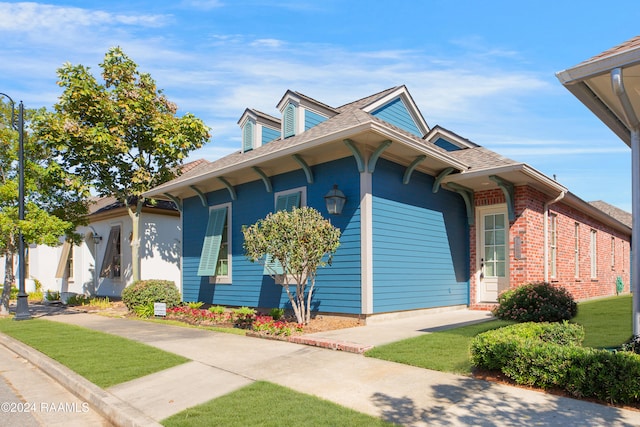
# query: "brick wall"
[[529, 228]]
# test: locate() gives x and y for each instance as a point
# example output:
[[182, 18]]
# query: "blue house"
[[409, 236]]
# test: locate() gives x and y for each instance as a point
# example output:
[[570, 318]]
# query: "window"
[[215, 259], [613, 252], [284, 200], [594, 253], [111, 264], [553, 242], [576, 249]]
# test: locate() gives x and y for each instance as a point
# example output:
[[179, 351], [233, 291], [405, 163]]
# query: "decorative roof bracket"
[[203, 197], [356, 154], [265, 178], [467, 196], [305, 167], [508, 191], [438, 182], [176, 201], [376, 155], [229, 187], [407, 173]]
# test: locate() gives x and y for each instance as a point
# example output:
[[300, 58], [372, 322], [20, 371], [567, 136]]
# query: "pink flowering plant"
[[241, 317], [268, 326], [536, 302]]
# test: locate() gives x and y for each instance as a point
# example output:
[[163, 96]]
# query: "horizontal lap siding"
[[337, 286], [397, 114], [420, 243]]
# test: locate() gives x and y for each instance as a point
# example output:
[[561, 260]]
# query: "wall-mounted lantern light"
[[335, 200], [96, 238]]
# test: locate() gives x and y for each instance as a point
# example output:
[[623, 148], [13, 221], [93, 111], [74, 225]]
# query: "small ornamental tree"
[[298, 242]]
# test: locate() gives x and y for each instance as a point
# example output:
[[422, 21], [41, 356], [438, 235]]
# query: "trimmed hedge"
[[536, 302], [550, 356], [145, 292]]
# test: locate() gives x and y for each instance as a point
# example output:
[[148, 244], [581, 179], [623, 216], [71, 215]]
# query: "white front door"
[[493, 253]]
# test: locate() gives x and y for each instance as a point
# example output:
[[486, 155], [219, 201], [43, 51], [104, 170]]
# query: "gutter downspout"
[[618, 88], [545, 227]]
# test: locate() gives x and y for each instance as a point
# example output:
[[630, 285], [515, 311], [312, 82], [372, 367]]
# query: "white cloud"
[[29, 16]]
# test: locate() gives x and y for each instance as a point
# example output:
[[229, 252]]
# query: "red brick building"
[[525, 227]]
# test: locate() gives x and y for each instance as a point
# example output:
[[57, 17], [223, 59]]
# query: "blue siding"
[[420, 243], [443, 143], [311, 119], [337, 287], [269, 134], [396, 113]]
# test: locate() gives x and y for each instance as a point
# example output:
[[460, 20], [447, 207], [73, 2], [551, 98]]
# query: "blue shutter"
[[289, 126], [283, 203], [212, 241], [247, 137]]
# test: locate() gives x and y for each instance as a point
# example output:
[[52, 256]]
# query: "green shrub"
[[243, 316], [78, 300], [195, 304], [144, 310], [146, 292], [536, 302], [276, 313], [494, 349], [549, 356], [217, 309], [52, 296]]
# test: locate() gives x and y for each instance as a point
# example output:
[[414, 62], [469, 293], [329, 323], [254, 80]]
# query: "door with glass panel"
[[493, 254]]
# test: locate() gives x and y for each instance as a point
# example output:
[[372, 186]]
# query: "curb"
[[115, 410]]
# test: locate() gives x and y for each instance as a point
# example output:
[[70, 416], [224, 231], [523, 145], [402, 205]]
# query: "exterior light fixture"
[[335, 200], [96, 238]]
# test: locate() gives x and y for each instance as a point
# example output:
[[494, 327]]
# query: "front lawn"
[[267, 404], [607, 323], [103, 359]]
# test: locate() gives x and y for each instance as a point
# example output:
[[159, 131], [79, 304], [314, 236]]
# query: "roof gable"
[[397, 107]]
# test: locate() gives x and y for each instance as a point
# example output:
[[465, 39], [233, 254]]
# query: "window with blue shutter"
[[247, 137], [285, 202], [213, 240], [289, 121]]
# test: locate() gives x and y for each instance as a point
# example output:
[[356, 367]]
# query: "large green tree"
[[298, 242], [55, 201], [122, 136]]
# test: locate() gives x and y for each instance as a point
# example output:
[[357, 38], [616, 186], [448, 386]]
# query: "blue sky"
[[485, 70]]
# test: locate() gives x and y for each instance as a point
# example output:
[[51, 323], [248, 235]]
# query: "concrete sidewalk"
[[221, 363]]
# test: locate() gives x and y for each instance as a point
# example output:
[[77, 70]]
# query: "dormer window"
[[289, 121], [247, 136]]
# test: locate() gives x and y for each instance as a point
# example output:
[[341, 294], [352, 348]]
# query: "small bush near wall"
[[549, 356], [145, 292], [536, 302]]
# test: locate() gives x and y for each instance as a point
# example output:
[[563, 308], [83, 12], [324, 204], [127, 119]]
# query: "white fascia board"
[[598, 67]]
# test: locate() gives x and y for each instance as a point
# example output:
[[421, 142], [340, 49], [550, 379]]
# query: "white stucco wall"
[[159, 256]]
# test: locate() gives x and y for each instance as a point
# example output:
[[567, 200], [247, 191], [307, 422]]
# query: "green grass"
[[446, 351], [606, 322], [103, 359], [267, 404]]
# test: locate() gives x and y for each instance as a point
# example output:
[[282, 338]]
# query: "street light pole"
[[22, 306]]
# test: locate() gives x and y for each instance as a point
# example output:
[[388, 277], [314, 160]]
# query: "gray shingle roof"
[[616, 213]]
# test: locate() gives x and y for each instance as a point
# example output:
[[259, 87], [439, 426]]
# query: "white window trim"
[[301, 190], [576, 249], [593, 243], [553, 244], [225, 280]]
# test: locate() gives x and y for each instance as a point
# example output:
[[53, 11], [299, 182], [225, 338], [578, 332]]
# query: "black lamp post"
[[22, 306]]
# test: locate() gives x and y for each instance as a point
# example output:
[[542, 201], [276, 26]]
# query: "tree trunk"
[[135, 239], [8, 282]]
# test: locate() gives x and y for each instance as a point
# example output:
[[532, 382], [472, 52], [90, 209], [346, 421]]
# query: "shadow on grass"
[[467, 401]]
